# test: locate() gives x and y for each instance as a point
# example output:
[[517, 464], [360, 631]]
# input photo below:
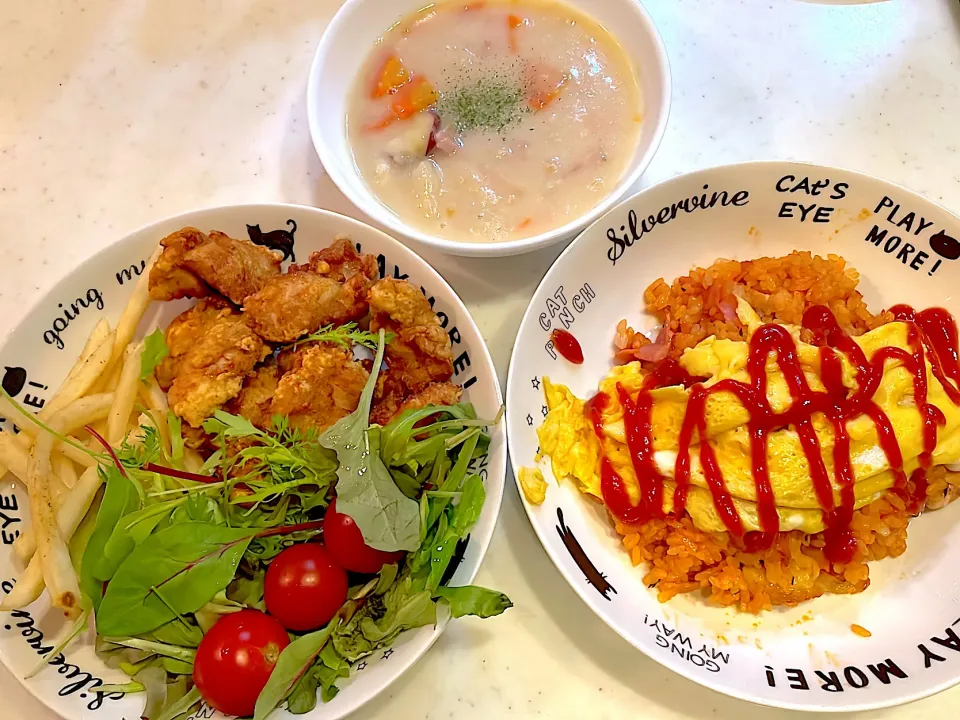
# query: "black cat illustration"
[[14, 378], [458, 552], [281, 240], [594, 576], [945, 246]]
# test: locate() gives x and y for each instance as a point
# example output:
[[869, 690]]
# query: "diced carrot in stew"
[[411, 98], [525, 223], [392, 76], [418, 95], [513, 23], [544, 84], [474, 5]]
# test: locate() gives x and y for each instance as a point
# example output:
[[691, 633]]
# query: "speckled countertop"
[[115, 113]]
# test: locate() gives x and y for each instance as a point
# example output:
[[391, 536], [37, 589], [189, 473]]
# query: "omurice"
[[768, 461]]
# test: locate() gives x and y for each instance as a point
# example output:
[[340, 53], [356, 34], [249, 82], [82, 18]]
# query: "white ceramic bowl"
[[806, 657], [348, 41], [66, 685]]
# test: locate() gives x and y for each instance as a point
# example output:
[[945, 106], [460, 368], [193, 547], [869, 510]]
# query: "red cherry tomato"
[[304, 587], [235, 659], [345, 543]]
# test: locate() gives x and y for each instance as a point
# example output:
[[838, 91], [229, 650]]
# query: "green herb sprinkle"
[[486, 105]]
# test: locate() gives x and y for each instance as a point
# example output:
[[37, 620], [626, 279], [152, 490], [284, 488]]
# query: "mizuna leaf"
[[174, 571], [461, 519]]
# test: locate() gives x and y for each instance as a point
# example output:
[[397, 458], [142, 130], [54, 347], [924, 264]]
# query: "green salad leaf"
[[198, 508], [177, 632], [331, 668], [474, 600], [154, 352], [174, 571], [323, 676], [383, 617], [180, 707], [175, 426], [462, 517], [296, 660], [119, 499], [388, 519]]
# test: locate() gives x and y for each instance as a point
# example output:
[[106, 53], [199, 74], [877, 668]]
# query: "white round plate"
[[33, 365], [805, 657]]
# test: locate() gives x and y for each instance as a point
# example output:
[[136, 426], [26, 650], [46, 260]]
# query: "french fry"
[[67, 392], [108, 381], [75, 454], [156, 400], [83, 411], [54, 556], [125, 396], [82, 377], [30, 584], [101, 427], [57, 493], [12, 456], [99, 333], [79, 413], [65, 470], [192, 460], [133, 313], [63, 482], [52, 553]]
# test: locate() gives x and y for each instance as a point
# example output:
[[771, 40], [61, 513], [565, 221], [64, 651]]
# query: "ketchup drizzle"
[[932, 335]]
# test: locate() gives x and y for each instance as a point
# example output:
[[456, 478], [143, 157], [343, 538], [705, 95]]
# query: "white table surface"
[[115, 113]]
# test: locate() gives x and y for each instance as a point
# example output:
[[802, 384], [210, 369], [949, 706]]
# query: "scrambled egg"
[[533, 485], [568, 437]]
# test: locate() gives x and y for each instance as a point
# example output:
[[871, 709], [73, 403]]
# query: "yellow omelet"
[[568, 437]]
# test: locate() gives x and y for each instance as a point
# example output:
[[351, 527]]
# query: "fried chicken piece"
[[184, 331], [256, 396], [340, 262], [197, 439], [323, 384], [391, 405], [169, 279], [388, 395], [420, 352], [191, 261], [212, 350], [301, 302], [236, 268]]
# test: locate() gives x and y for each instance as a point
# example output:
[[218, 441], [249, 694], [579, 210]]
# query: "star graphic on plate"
[[544, 410], [387, 654], [529, 419], [362, 665], [536, 383]]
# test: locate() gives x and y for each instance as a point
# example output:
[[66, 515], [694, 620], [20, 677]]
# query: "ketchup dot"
[[567, 345]]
